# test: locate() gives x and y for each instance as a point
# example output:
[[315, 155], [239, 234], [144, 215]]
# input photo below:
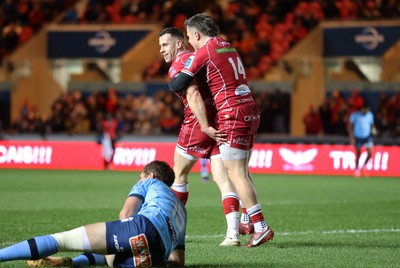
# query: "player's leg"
[[83, 260], [230, 201], [245, 224], [204, 170], [183, 164], [89, 238], [236, 163], [368, 147], [357, 171]]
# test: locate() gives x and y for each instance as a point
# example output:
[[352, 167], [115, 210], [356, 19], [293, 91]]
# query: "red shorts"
[[241, 125], [194, 142]]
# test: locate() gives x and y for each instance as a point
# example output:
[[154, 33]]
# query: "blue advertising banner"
[[359, 41], [92, 44]]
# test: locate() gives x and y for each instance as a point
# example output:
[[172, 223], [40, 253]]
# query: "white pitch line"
[[312, 232], [8, 243]]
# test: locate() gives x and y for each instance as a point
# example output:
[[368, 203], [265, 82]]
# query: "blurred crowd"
[[141, 115], [76, 113], [261, 30], [20, 19], [332, 116]]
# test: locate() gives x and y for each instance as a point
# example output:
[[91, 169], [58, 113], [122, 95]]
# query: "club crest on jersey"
[[242, 90], [189, 62]]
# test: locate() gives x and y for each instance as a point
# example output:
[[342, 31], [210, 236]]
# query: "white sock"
[[73, 240]]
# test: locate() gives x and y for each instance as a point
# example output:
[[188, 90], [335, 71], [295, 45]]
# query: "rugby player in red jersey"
[[193, 144], [237, 117]]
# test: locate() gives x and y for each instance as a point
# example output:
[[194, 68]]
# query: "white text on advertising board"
[[134, 156], [26, 154]]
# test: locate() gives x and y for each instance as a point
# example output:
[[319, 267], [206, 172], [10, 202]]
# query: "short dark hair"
[[173, 31], [204, 24], [161, 171]]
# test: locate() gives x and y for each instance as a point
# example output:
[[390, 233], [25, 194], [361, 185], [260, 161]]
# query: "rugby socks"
[[87, 259], [257, 218], [182, 191], [230, 203], [244, 218], [32, 249]]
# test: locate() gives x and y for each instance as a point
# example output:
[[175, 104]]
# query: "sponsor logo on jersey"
[[189, 62], [298, 160], [245, 100], [141, 251], [251, 118], [242, 90], [225, 50], [102, 42], [369, 38]]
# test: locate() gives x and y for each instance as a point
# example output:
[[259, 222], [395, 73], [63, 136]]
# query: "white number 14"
[[239, 69]]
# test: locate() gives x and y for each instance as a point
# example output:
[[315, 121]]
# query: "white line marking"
[[9, 243], [311, 232]]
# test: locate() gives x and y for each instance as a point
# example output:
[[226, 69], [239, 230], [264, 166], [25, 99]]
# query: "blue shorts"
[[364, 142], [135, 242]]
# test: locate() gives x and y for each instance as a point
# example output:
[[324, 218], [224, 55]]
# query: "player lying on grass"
[[154, 235]]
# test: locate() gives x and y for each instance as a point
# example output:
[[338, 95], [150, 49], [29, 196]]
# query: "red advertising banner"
[[131, 156], [51, 155]]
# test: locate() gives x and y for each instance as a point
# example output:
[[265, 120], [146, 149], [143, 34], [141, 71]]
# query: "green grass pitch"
[[319, 221]]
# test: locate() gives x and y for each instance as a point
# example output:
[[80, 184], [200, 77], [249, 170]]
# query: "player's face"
[[168, 47], [192, 38]]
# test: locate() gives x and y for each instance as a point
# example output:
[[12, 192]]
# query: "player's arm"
[[131, 206], [180, 82], [177, 258], [198, 108]]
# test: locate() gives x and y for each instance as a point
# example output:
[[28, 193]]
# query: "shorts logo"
[[141, 251], [189, 62], [241, 141], [116, 244], [198, 149]]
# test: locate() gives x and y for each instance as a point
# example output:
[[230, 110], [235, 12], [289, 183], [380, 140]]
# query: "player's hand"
[[217, 135]]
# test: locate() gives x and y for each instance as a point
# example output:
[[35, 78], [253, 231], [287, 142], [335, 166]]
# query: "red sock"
[[230, 203], [182, 196]]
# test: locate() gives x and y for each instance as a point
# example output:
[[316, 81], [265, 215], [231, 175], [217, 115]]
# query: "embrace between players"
[[220, 123]]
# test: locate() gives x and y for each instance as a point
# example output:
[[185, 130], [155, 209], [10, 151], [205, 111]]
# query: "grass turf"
[[319, 221]]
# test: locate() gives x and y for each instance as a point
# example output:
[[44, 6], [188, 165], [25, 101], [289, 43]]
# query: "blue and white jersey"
[[167, 213], [361, 124]]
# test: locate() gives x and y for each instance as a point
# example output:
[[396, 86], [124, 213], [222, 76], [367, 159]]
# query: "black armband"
[[180, 82]]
